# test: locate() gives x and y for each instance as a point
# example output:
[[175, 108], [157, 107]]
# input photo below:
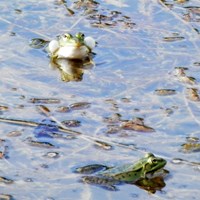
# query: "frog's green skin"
[[132, 172], [70, 40], [147, 167]]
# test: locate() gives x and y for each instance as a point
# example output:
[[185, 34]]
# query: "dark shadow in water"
[[151, 185], [70, 70]]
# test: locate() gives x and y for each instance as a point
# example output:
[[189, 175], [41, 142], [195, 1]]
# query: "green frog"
[[71, 47], [146, 168]]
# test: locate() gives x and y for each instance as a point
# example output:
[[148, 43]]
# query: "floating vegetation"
[[181, 1], [192, 139], [102, 145], [115, 118], [165, 92], [112, 129], [173, 38], [131, 64], [5, 180], [192, 145], [71, 123], [79, 105], [44, 100], [4, 153], [39, 143], [43, 109], [113, 103], [3, 108], [14, 133], [88, 4], [1, 154], [38, 43], [187, 79], [35, 124], [125, 100], [193, 12], [18, 11], [192, 94], [116, 124], [6, 197], [4, 149], [103, 17], [136, 124], [110, 20], [196, 64], [168, 111], [62, 109], [63, 2], [181, 70], [12, 34], [181, 75]]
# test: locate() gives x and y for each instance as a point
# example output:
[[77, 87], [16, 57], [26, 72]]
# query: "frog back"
[[127, 172]]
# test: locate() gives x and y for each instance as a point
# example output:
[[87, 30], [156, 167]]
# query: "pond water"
[[146, 65]]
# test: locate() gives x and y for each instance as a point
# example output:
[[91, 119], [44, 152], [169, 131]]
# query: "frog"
[[147, 167], [68, 46]]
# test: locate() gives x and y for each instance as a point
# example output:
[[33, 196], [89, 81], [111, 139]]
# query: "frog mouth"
[[158, 173], [78, 44]]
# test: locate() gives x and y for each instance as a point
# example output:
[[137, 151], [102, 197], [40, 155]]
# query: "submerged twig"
[[46, 111], [94, 140], [35, 124], [190, 111], [70, 11], [101, 142]]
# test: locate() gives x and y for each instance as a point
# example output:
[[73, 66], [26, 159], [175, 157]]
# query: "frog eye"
[[67, 36], [80, 35], [154, 161]]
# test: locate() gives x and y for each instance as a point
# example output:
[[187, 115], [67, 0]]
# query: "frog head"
[[69, 40], [79, 40], [80, 37], [71, 47], [152, 164]]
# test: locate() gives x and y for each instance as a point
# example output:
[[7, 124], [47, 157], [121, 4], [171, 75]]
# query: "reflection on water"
[[70, 70], [139, 46], [151, 185]]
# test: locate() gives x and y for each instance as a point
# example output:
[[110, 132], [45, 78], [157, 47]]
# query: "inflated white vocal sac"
[[53, 46], [90, 42], [72, 48]]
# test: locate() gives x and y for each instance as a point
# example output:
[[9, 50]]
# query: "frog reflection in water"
[[70, 70], [71, 55], [147, 168]]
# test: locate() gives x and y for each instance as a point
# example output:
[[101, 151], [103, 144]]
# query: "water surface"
[[137, 53]]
